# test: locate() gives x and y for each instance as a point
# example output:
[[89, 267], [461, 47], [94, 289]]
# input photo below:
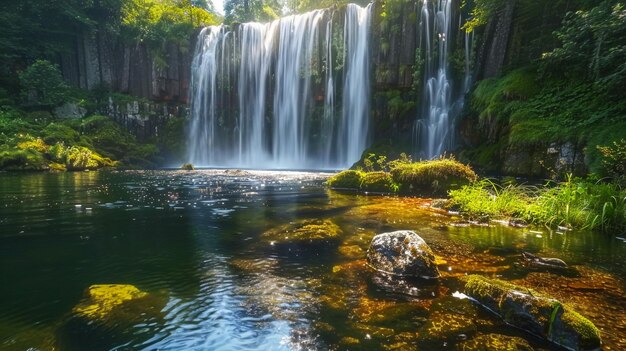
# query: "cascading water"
[[298, 36], [206, 64], [434, 131], [258, 100], [355, 122], [437, 92]]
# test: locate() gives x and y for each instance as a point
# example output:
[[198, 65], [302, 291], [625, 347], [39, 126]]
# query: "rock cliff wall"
[[98, 59]]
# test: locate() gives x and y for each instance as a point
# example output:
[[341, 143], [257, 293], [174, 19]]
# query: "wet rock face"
[[402, 253], [535, 314]]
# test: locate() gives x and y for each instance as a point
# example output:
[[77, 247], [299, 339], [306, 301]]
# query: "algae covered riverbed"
[[216, 260]]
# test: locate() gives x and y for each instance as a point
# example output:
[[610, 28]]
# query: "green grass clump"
[[575, 203], [432, 177], [487, 198], [379, 182], [349, 179]]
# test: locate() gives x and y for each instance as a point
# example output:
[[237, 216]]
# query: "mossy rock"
[[349, 179], [495, 342], [434, 177], [102, 299], [316, 231], [402, 253], [379, 182], [534, 313], [187, 167], [106, 315], [22, 160]]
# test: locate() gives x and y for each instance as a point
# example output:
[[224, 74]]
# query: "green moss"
[[480, 287], [533, 312], [13, 159], [110, 140], [380, 182], [187, 167], [307, 231], [432, 177], [349, 179], [492, 97], [589, 333], [102, 299], [60, 133]]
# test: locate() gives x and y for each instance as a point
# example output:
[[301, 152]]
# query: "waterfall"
[[437, 90], [263, 95], [298, 36], [355, 121], [435, 127], [205, 81]]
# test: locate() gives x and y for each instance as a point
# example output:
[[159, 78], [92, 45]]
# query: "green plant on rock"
[[380, 182], [349, 179], [432, 177]]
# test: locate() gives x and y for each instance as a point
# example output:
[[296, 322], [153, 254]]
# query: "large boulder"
[[530, 311], [402, 253]]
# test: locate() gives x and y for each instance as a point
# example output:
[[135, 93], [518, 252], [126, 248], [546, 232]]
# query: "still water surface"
[[193, 241]]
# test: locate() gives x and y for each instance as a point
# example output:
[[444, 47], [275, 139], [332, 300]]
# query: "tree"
[[252, 10], [593, 44], [43, 84]]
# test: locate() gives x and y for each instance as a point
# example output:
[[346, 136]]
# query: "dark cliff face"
[[98, 59]]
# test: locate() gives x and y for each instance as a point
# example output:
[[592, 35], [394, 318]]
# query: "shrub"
[[43, 84], [613, 158], [349, 179], [434, 177], [187, 167]]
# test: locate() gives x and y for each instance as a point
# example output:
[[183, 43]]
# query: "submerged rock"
[[316, 231], [106, 314], [544, 263], [402, 253], [539, 315], [495, 342], [102, 300]]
